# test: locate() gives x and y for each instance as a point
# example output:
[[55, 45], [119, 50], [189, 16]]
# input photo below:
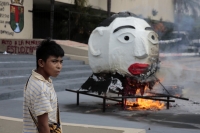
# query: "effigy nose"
[[140, 51], [142, 56]]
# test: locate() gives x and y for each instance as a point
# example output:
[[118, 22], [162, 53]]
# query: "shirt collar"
[[40, 77]]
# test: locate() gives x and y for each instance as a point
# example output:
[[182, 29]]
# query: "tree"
[[182, 6], [80, 7], [186, 6], [154, 12], [79, 20]]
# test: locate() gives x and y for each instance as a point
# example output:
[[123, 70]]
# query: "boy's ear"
[[41, 63]]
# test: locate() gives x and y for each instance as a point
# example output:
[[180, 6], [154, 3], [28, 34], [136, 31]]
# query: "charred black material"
[[88, 83], [100, 86]]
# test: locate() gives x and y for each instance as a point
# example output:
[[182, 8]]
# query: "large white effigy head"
[[124, 44]]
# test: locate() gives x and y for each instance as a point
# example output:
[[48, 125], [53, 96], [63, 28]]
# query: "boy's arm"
[[43, 123]]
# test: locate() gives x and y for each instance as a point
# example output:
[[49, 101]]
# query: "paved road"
[[89, 112], [176, 120]]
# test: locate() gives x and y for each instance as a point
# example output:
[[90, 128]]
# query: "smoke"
[[184, 22], [181, 71]]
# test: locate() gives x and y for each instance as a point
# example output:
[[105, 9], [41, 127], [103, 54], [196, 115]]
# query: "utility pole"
[[52, 18], [69, 26], [108, 7]]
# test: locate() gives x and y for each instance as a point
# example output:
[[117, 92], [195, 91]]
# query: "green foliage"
[[80, 4], [78, 23], [154, 12], [162, 28], [182, 6]]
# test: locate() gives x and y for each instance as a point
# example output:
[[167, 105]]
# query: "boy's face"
[[52, 66]]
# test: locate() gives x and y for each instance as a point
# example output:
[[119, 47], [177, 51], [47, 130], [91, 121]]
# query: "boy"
[[40, 99]]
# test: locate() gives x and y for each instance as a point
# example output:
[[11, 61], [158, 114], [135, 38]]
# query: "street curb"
[[13, 125]]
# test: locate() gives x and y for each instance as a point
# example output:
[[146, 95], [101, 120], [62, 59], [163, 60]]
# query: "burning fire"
[[143, 104]]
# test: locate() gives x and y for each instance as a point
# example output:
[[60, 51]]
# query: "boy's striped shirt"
[[40, 98]]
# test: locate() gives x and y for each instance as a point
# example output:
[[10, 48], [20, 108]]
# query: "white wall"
[[66, 1], [5, 28], [165, 8]]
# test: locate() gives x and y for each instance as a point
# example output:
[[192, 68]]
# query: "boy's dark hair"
[[48, 48]]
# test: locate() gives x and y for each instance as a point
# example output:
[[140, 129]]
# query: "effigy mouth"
[[138, 68], [142, 71]]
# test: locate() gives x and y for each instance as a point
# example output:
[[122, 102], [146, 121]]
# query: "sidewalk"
[[14, 125]]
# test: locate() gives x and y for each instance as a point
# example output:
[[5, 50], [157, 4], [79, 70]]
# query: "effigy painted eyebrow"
[[122, 27]]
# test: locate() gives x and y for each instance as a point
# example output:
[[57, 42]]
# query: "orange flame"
[[144, 104]]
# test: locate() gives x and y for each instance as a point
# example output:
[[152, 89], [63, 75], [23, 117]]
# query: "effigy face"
[[127, 46]]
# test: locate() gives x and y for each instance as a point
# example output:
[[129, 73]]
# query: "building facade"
[[143, 8], [15, 19]]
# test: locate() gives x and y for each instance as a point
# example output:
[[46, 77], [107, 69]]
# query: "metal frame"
[[89, 94], [78, 92]]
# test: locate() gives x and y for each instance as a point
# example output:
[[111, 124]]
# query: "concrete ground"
[[90, 113], [182, 117]]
